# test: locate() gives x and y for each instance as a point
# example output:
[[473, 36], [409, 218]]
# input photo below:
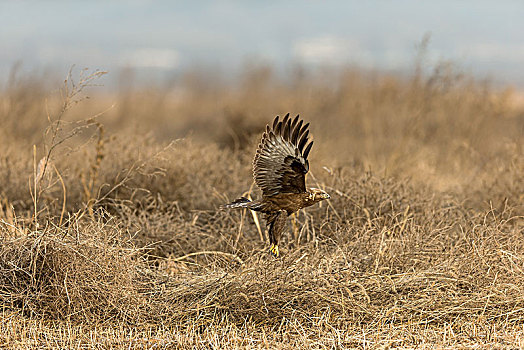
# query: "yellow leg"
[[274, 250]]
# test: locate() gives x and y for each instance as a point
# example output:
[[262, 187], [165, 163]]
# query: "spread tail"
[[243, 202]]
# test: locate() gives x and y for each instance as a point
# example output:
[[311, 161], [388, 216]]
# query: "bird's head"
[[317, 195]]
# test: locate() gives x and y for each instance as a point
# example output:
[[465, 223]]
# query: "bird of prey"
[[279, 169]]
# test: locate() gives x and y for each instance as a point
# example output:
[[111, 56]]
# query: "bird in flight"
[[279, 169]]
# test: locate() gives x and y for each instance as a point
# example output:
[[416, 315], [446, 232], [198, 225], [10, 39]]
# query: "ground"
[[112, 235]]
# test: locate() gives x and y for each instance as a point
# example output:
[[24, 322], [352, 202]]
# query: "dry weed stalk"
[[88, 185], [70, 94]]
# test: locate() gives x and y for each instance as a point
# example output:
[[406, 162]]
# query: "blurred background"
[[430, 91], [158, 40]]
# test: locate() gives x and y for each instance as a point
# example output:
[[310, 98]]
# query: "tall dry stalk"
[[55, 135]]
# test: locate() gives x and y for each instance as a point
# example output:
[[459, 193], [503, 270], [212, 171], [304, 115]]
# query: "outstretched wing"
[[281, 164]]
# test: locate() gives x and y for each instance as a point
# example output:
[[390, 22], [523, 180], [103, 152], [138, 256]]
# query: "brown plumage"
[[279, 169]]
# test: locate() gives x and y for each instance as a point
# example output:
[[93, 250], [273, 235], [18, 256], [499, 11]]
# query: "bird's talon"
[[274, 250]]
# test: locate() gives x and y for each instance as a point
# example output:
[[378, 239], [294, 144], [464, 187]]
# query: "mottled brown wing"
[[281, 164]]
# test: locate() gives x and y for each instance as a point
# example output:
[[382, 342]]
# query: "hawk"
[[279, 169]]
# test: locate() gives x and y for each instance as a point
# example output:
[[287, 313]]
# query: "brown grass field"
[[111, 236]]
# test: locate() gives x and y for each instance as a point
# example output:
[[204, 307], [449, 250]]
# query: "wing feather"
[[296, 130], [303, 140], [280, 163], [275, 122], [308, 148]]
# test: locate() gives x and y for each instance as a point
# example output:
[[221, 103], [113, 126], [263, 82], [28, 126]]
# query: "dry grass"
[[118, 243]]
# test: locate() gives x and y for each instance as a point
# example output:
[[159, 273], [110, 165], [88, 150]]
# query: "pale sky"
[[166, 37]]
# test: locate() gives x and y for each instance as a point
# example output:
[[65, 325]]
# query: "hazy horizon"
[[158, 39]]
